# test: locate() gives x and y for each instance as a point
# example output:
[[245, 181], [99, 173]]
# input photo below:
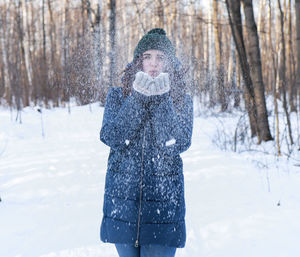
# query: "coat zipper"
[[141, 192]]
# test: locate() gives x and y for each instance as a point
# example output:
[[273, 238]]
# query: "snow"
[[238, 204], [171, 142]]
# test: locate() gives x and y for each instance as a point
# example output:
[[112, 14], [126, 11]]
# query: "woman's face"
[[154, 62]]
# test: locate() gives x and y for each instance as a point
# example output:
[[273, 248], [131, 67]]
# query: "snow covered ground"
[[52, 190]]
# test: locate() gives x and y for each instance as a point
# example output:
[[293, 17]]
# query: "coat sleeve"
[[122, 119], [173, 129]]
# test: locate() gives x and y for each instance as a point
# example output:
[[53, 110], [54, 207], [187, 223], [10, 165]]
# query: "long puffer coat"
[[144, 187]]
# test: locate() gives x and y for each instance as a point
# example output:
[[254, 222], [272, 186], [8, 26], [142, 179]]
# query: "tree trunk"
[[5, 60], [272, 73], [275, 93], [262, 29], [193, 59], [256, 72], [138, 11], [289, 51], [237, 98], [232, 75], [172, 20], [15, 64], [65, 41], [52, 33], [219, 62], [24, 81], [44, 68], [97, 37], [210, 62], [297, 7], [160, 13], [235, 19], [83, 20], [178, 28], [282, 71], [112, 36], [44, 30], [29, 48]]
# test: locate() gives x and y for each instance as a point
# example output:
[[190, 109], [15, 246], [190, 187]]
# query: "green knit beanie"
[[155, 39]]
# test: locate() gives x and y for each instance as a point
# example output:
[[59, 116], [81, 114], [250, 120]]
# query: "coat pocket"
[[163, 187], [167, 166], [114, 161]]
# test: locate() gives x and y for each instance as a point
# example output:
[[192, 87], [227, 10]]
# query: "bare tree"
[[112, 36], [297, 7], [4, 54], [219, 54], [290, 61], [24, 84], [43, 62], [235, 20], [232, 75], [282, 71], [138, 11], [52, 32], [256, 72], [97, 39], [160, 13], [272, 67], [65, 41]]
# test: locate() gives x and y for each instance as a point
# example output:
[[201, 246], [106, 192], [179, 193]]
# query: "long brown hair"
[[176, 75]]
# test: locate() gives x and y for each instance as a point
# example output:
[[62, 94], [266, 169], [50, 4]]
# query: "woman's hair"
[[176, 75]]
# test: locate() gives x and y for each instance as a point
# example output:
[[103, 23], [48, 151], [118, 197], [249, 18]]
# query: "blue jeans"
[[126, 250]]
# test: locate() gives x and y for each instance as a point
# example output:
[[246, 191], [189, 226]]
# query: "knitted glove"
[[143, 83], [162, 84]]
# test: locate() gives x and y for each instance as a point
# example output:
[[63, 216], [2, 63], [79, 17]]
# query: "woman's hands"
[[143, 83], [149, 86], [162, 84]]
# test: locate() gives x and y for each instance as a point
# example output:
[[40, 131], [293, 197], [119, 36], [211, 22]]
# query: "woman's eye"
[[146, 57]]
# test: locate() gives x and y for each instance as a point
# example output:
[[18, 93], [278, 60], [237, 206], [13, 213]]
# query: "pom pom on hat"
[[155, 39], [158, 31]]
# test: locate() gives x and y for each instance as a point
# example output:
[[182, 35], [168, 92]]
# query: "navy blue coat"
[[144, 187]]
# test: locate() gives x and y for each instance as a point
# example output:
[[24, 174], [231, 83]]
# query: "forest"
[[236, 53], [240, 60]]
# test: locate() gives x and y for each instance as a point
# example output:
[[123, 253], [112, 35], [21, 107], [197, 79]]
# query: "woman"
[[147, 124]]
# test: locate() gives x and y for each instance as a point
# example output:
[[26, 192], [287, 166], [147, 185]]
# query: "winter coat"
[[144, 187]]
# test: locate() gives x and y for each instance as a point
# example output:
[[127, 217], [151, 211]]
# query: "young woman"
[[147, 124]]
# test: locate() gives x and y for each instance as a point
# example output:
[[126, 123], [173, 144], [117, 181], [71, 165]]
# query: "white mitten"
[[143, 83], [162, 84]]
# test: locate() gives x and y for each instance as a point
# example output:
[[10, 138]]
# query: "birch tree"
[[112, 38], [219, 54], [4, 55], [297, 10], [160, 13], [24, 83], [290, 60], [282, 70]]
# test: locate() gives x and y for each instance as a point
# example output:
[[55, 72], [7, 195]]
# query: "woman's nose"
[[154, 62]]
